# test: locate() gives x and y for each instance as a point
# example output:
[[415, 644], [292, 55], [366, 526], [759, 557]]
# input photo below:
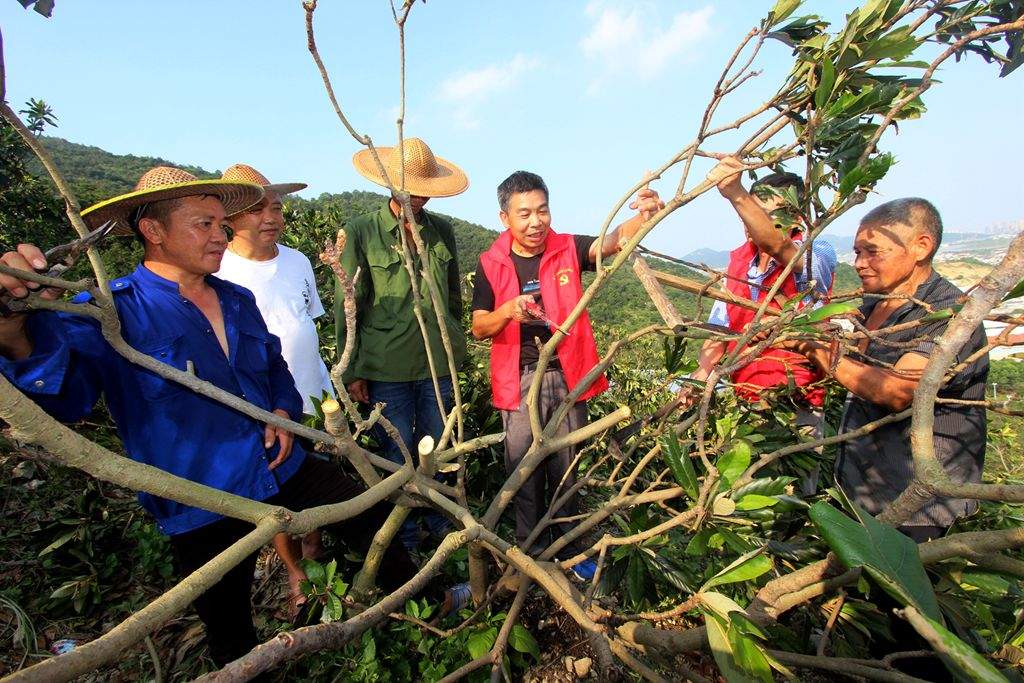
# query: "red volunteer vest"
[[560, 291], [773, 367]]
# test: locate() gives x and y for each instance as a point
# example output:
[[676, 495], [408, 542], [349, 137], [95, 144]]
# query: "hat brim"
[[235, 196], [285, 188], [450, 182]]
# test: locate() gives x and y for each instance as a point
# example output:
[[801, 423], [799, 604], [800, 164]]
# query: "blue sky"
[[589, 94]]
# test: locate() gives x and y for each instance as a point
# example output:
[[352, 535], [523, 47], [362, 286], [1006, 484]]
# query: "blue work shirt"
[[160, 422]]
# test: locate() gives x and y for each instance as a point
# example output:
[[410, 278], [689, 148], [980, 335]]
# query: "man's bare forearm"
[[487, 324], [646, 204], [610, 245], [761, 227], [881, 386], [710, 355]]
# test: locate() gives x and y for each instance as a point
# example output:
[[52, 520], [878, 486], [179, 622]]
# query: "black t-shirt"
[[527, 269]]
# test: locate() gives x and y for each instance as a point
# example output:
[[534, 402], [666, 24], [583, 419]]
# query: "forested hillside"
[[96, 174]]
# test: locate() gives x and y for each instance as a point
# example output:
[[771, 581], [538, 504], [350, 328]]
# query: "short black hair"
[[781, 180], [520, 181], [913, 212], [158, 211]]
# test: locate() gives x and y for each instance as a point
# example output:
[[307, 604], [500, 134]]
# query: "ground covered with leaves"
[[80, 555]]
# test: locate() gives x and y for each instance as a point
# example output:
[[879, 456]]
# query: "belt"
[[552, 366]]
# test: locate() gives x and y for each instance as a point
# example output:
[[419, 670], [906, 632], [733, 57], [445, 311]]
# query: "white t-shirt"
[[286, 295]]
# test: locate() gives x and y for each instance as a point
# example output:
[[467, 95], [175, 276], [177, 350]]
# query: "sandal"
[[455, 598]]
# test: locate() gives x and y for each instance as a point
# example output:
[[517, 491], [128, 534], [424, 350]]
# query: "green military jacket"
[[389, 345]]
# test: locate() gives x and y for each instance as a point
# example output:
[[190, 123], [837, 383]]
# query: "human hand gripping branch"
[[358, 390], [757, 224], [646, 204], [891, 388], [27, 258]]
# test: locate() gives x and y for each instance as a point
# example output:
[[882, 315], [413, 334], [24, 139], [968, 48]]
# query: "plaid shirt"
[[875, 468]]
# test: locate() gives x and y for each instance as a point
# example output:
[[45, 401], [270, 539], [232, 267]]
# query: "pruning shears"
[[61, 258], [535, 311]]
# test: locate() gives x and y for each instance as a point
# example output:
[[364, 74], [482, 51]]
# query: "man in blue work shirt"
[[172, 309]]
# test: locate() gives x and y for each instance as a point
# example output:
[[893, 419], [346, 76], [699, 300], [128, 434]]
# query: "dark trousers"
[[921, 534], [535, 496], [226, 608], [905, 636]]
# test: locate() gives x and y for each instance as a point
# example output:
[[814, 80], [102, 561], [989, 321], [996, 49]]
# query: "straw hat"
[[167, 182], [425, 174], [243, 173]]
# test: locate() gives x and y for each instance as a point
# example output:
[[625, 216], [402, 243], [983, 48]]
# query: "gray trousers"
[[533, 499]]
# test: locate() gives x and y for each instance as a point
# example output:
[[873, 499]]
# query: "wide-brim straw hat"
[[426, 175], [247, 174], [167, 182]]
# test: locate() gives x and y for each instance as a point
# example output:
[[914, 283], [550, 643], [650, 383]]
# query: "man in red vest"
[[528, 280], [774, 233]]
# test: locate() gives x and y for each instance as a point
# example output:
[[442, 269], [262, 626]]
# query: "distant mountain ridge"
[[720, 258], [846, 278], [708, 257], [97, 174], [987, 246]]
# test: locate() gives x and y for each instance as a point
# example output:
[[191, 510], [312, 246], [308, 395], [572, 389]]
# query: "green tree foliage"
[[846, 279], [95, 174], [1008, 376], [29, 209]]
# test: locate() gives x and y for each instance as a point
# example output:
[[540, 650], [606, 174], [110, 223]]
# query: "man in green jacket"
[[389, 363]]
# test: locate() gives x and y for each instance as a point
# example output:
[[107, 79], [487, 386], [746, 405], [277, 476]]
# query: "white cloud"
[[630, 38], [468, 90], [614, 30]]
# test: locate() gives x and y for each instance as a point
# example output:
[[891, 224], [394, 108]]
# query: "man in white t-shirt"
[[282, 281]]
